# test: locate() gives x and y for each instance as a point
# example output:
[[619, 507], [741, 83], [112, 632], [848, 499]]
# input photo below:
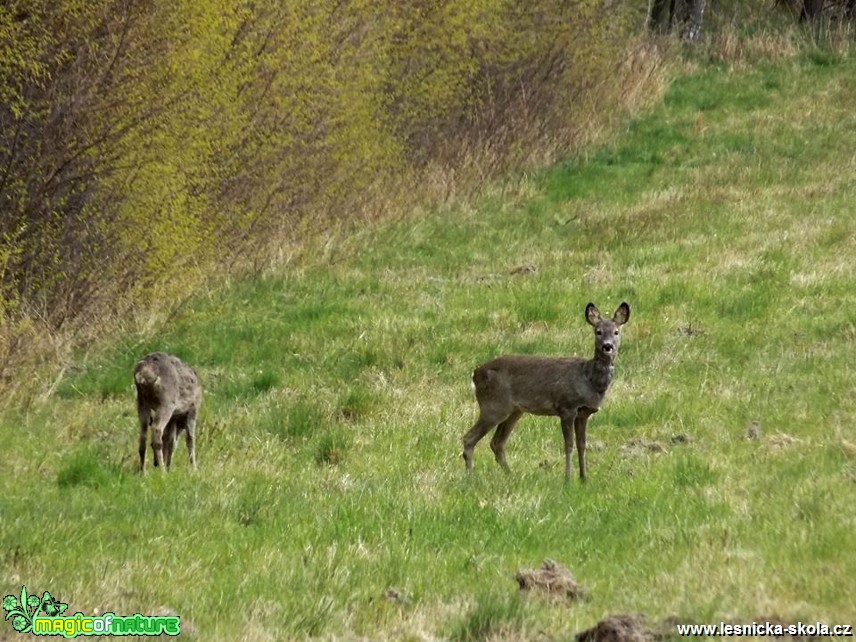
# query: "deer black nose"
[[608, 347]]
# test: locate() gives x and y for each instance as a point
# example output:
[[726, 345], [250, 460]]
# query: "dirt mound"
[[634, 628], [639, 446], [619, 628], [753, 431], [782, 440], [551, 579]]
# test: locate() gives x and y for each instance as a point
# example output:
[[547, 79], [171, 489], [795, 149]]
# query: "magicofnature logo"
[[22, 613], [44, 616]]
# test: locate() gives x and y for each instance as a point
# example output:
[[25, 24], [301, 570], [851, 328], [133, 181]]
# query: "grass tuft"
[[265, 381], [297, 420], [332, 447], [490, 617], [87, 467], [357, 403]]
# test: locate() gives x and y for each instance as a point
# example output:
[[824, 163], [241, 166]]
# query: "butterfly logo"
[[51, 606]]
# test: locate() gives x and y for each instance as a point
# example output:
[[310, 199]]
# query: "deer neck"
[[599, 372]]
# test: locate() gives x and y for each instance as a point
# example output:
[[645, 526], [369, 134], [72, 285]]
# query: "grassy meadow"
[[331, 500]]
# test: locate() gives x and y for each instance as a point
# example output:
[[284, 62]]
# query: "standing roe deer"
[[168, 399], [571, 388]]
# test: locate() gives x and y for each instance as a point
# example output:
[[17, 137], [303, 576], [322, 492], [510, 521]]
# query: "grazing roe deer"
[[168, 399], [571, 388]]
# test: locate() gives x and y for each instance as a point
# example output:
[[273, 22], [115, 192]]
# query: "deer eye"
[[599, 332], [616, 333]]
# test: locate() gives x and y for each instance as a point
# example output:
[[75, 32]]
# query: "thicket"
[[147, 145]]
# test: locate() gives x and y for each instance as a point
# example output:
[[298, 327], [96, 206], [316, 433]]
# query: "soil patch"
[[782, 440], [551, 579], [641, 446], [634, 628], [620, 628]]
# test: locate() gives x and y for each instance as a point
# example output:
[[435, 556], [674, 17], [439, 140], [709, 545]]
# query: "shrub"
[[146, 146]]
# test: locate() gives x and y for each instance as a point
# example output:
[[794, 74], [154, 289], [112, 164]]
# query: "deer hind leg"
[[483, 426], [497, 444], [494, 407]]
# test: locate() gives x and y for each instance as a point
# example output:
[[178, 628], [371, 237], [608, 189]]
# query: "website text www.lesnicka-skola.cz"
[[762, 629]]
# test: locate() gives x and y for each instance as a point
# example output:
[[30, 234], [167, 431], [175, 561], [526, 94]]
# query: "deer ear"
[[622, 314], [592, 314]]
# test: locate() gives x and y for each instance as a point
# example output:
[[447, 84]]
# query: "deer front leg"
[[145, 417], [159, 422], [190, 437], [170, 435], [580, 424], [568, 434]]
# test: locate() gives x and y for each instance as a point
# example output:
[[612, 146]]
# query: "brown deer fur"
[[168, 400], [571, 388]]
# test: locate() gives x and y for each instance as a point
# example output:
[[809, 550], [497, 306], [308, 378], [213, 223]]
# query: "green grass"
[[336, 396]]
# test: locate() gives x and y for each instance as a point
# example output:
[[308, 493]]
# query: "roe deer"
[[571, 388], [168, 399]]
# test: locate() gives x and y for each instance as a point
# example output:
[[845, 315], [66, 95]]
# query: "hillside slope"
[[331, 499]]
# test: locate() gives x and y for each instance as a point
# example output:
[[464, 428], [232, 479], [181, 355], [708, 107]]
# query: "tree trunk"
[[811, 9], [661, 15], [687, 13], [695, 18]]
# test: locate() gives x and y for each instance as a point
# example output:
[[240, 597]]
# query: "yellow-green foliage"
[[179, 95], [143, 145]]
